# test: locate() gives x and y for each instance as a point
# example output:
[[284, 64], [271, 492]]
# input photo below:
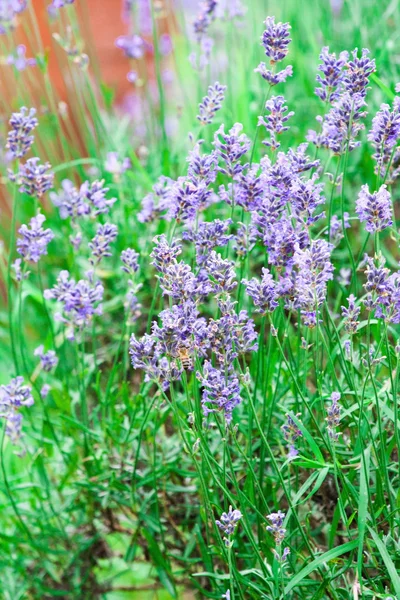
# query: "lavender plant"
[[199, 319]]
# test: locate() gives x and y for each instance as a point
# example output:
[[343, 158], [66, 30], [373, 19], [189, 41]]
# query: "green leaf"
[[392, 571], [160, 563], [311, 442], [363, 506], [323, 558], [383, 86]]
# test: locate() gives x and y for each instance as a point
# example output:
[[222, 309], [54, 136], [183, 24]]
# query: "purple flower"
[[275, 39], [222, 273], [232, 334], [228, 523], [227, 595], [22, 124], [333, 73], [34, 239], [185, 199], [230, 147], [100, 244], [60, 3], [276, 526], [133, 45], [305, 197], [19, 59], [207, 237], [211, 103], [95, 194], [250, 189], [384, 134], [351, 315], [358, 70], [170, 348], [205, 17], [280, 237], [375, 209], [336, 228], [221, 391], [341, 125], [132, 76], [291, 434], [115, 166], [164, 253], [48, 359], [263, 293], [9, 9], [129, 259], [275, 121], [44, 391], [14, 426], [19, 274], [314, 270], [202, 167], [244, 240], [35, 179], [155, 203], [271, 77], [69, 201], [81, 301], [333, 418], [14, 395]]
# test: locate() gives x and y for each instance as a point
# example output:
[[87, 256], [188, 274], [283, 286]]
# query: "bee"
[[185, 358]]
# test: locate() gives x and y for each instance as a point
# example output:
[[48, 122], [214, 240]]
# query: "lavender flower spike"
[[228, 522], [129, 259], [19, 138], [35, 179], [34, 239], [220, 391], [48, 359], [14, 395], [374, 209], [100, 244], [333, 418], [356, 77], [275, 40], [211, 103], [332, 70], [263, 293], [275, 121], [385, 134], [276, 526]]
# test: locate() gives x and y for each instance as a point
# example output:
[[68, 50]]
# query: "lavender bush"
[[200, 329]]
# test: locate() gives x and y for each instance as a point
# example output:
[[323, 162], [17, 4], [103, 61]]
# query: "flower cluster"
[[384, 135], [275, 40], [19, 139], [34, 178], [89, 199], [48, 360], [228, 523], [9, 9], [211, 103], [34, 239], [291, 434], [100, 244], [333, 418], [374, 209], [12, 397], [80, 301], [275, 121], [278, 531]]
